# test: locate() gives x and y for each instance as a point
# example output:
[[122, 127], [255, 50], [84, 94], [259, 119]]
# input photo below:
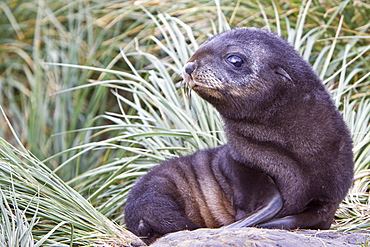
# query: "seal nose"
[[190, 67]]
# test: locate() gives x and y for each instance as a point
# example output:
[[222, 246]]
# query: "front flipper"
[[263, 214], [315, 216]]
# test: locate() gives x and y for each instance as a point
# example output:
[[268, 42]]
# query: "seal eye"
[[235, 60]]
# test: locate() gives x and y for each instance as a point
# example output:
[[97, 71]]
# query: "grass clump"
[[38, 208]]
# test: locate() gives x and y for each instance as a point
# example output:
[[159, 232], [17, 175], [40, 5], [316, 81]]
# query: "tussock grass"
[[38, 208], [99, 118]]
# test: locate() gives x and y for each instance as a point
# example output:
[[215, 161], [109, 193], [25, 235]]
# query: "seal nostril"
[[190, 67]]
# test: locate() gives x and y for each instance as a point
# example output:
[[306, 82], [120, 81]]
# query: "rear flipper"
[[149, 229], [151, 211]]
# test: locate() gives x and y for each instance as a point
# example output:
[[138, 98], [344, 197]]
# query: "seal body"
[[206, 189], [288, 162]]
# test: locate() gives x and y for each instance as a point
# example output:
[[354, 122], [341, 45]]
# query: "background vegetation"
[[93, 90]]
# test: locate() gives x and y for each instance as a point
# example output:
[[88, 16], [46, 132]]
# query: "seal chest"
[[288, 160]]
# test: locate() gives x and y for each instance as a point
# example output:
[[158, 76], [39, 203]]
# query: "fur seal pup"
[[288, 162]]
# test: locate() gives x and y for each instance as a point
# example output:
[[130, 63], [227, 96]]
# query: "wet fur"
[[285, 139]]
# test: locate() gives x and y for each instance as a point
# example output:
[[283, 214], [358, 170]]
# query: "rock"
[[258, 237]]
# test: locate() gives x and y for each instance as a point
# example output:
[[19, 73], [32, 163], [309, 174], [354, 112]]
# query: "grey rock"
[[257, 237]]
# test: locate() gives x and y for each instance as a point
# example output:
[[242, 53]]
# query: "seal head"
[[246, 69]]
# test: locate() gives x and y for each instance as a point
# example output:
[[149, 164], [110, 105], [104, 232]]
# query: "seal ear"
[[280, 71]]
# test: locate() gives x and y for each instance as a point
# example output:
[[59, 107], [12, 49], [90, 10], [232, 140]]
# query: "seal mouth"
[[205, 91], [193, 84]]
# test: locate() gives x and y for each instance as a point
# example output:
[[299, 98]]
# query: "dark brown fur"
[[288, 160]]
